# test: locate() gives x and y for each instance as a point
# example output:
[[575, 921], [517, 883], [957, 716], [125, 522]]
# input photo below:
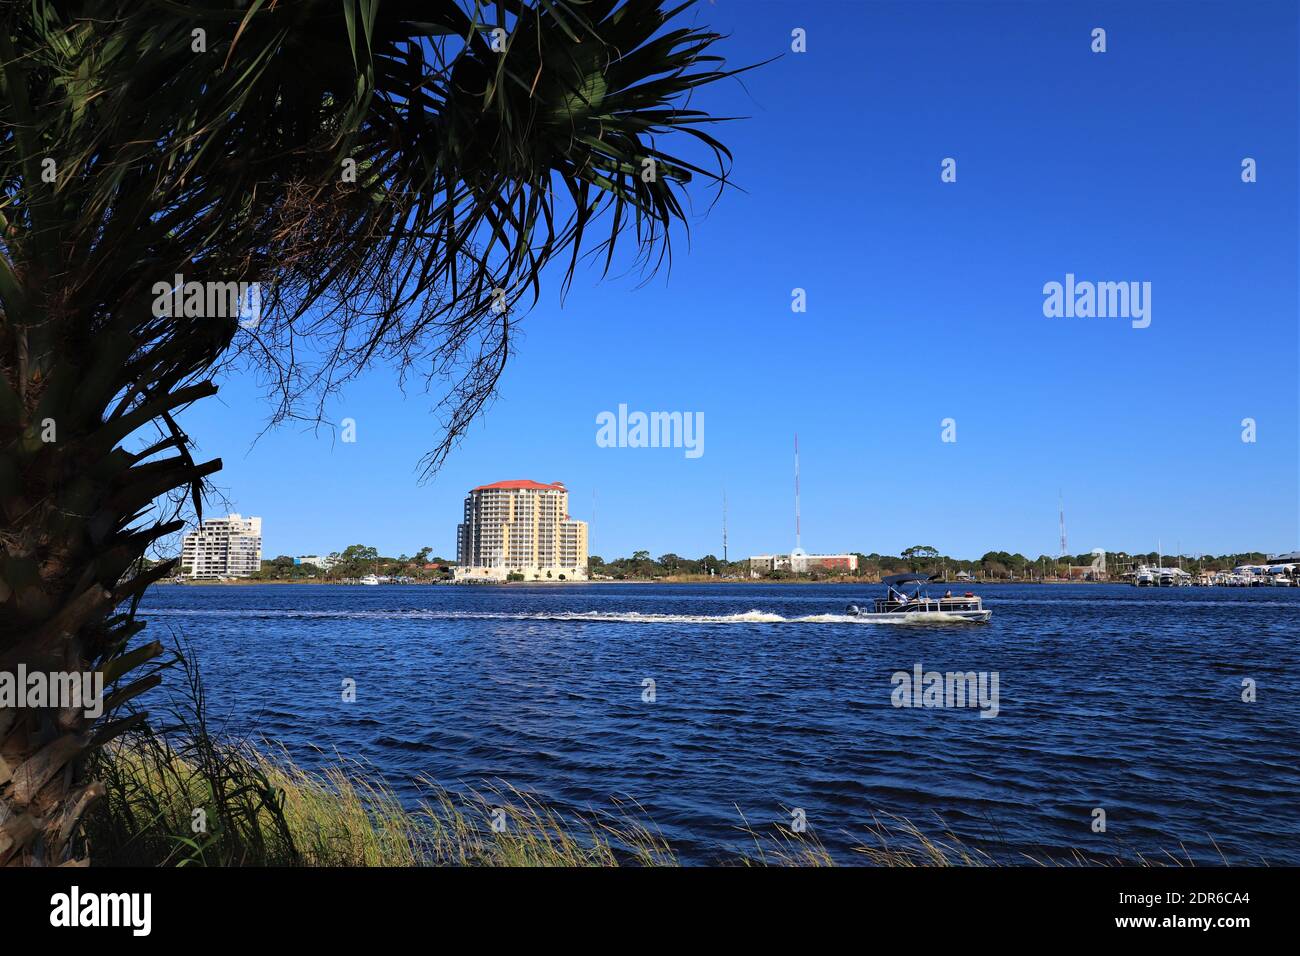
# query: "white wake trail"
[[753, 616]]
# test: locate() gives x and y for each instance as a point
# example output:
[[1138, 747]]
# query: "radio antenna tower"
[[1064, 548], [796, 491], [724, 526]]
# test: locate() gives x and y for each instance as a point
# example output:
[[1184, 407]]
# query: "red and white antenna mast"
[[796, 491], [724, 526], [1064, 547]]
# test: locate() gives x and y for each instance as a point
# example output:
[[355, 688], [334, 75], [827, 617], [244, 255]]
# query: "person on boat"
[[947, 594]]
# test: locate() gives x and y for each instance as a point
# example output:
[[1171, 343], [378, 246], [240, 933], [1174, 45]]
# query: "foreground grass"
[[205, 803], [264, 811], [235, 805]]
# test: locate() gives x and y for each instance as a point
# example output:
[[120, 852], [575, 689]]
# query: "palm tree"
[[395, 176]]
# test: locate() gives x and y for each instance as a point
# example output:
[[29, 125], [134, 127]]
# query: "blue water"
[[767, 699]]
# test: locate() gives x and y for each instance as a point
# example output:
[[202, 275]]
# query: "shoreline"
[[690, 579]]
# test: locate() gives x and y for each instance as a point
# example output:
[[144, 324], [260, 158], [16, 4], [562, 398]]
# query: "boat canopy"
[[895, 579]]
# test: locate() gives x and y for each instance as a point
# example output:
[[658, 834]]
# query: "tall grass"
[[179, 796], [279, 814]]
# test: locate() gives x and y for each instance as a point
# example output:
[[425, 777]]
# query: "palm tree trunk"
[[70, 577]]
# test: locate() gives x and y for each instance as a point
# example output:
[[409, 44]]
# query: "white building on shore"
[[799, 561], [520, 527], [229, 547]]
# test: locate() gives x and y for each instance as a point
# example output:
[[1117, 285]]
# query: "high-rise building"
[[229, 547], [520, 527]]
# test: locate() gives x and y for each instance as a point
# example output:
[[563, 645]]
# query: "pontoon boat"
[[905, 600]]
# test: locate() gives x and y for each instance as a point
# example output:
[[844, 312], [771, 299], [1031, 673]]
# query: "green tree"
[[394, 182], [920, 555], [357, 559]]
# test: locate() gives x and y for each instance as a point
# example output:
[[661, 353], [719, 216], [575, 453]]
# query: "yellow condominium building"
[[520, 527]]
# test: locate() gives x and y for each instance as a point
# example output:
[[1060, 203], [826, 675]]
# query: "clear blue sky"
[[924, 302]]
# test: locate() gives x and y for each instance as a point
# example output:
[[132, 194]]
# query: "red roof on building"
[[522, 483]]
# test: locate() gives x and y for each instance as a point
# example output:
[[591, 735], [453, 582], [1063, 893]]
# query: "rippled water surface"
[[768, 698]]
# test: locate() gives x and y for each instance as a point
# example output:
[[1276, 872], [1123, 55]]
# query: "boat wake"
[[594, 617]]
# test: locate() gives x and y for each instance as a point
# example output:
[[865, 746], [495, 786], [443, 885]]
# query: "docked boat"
[[1173, 578], [905, 600], [370, 579]]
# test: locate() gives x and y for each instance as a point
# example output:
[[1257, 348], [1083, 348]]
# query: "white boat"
[[1159, 577], [370, 579], [906, 601], [1252, 575], [1173, 578]]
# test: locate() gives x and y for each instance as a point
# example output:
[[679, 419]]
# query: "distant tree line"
[[641, 565], [357, 560], [919, 559]]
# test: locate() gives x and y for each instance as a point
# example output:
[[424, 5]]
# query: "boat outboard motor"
[[852, 609]]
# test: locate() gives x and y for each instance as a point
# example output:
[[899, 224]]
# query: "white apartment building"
[[229, 547], [801, 562], [520, 527]]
